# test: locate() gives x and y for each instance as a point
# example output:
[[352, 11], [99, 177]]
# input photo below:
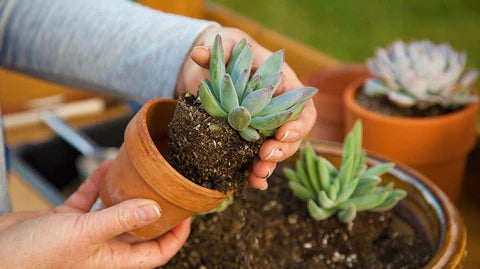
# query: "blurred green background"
[[350, 30]]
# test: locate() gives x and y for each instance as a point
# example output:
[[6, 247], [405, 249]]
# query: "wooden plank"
[[24, 197], [17, 91], [38, 132], [189, 8], [302, 58]]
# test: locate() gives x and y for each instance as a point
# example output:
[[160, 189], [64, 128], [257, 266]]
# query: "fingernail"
[[264, 187], [147, 213], [205, 48], [289, 135], [269, 173], [275, 153]]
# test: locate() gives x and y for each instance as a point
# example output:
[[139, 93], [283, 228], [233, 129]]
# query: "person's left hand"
[[289, 137], [71, 237]]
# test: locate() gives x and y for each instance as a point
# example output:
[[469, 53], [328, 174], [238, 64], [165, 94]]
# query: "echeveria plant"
[[246, 100], [421, 74], [353, 188]]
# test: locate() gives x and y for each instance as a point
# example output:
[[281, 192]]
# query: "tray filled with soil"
[[273, 229]]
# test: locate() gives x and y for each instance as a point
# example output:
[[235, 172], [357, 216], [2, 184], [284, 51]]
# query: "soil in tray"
[[206, 149], [382, 104], [272, 229]]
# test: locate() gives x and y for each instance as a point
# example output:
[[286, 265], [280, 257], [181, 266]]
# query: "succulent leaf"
[[297, 110], [348, 214], [378, 169], [243, 61], [311, 167], [241, 83], [300, 191], [348, 191], [228, 95], [257, 100], [217, 66], [343, 192], [333, 192], [302, 174], [291, 175], [269, 132], [319, 213], [209, 103], [271, 121], [255, 83], [324, 174], [239, 118], [271, 65], [288, 99], [249, 134], [235, 52], [273, 80], [391, 201], [324, 201]]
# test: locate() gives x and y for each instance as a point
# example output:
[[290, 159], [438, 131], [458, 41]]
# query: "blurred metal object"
[[93, 154]]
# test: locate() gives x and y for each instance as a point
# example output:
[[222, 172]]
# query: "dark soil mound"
[[207, 150], [272, 229], [382, 104]]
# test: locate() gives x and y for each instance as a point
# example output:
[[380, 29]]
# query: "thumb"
[[126, 216]]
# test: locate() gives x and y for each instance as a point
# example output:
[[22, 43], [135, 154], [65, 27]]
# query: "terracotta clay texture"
[[141, 171], [331, 84], [426, 208], [435, 146]]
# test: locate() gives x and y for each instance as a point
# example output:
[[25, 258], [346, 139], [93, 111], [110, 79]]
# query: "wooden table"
[[24, 197]]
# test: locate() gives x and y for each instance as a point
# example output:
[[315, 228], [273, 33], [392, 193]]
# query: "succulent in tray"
[[344, 192], [214, 138], [421, 74]]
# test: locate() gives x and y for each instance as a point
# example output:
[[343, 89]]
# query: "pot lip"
[[148, 142], [453, 235], [350, 103]]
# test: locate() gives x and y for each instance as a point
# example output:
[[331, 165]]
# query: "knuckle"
[[124, 221]]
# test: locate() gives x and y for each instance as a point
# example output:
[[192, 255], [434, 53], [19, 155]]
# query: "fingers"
[[201, 56], [275, 151], [105, 224], [294, 131], [260, 172], [87, 193], [158, 252]]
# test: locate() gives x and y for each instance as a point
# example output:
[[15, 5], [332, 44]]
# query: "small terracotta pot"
[[427, 209], [435, 146], [141, 171], [331, 84]]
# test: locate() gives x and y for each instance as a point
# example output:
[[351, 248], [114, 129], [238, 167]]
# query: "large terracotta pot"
[[331, 84], [435, 146], [426, 208], [141, 171]]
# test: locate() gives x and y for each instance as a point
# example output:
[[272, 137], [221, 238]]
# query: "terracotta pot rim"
[[453, 231], [350, 102], [150, 146]]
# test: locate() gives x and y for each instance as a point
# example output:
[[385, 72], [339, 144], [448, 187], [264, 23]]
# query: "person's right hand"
[[71, 237], [288, 137]]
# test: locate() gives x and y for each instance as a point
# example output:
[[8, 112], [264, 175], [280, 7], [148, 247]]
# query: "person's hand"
[[70, 237], [288, 138]]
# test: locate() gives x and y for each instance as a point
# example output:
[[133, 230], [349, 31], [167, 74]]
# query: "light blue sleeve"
[[110, 46]]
